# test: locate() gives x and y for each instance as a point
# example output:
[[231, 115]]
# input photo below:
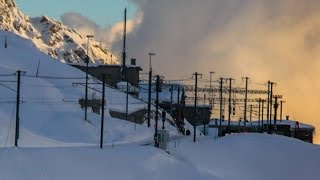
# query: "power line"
[[8, 87], [6, 75], [5, 81], [53, 77], [47, 86]]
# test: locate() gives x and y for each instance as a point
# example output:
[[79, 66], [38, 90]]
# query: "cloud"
[[107, 35], [262, 39]]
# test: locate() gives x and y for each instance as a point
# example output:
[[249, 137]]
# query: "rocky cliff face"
[[52, 37]]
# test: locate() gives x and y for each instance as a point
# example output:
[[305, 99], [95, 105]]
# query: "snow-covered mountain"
[[52, 37]]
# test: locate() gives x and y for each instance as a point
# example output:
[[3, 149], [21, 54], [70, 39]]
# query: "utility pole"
[[171, 99], [149, 89], [271, 101], [221, 83], [276, 105], [229, 107], [102, 110], [179, 110], [87, 78], [17, 109], [281, 103], [195, 105], [245, 101], [275, 114], [204, 124], [127, 100], [124, 54], [263, 101], [259, 112], [268, 106], [211, 92], [251, 114], [157, 110]]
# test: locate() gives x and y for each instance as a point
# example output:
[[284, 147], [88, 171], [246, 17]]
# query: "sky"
[[262, 39], [103, 12]]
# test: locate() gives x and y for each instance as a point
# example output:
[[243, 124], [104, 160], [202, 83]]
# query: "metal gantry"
[[191, 88]]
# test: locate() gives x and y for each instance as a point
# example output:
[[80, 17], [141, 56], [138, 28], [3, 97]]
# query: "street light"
[[87, 62], [149, 89]]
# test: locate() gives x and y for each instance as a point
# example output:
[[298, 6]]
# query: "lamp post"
[[86, 93], [149, 89]]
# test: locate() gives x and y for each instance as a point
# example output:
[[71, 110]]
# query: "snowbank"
[[252, 157]]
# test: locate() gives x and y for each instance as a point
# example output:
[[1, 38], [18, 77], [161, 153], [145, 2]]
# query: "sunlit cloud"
[[106, 35], [264, 39]]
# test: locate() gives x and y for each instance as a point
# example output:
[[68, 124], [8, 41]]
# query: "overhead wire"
[[6, 75], [8, 87], [46, 86], [54, 77]]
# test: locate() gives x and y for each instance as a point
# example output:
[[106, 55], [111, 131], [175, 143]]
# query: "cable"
[[257, 83], [5, 75], [8, 87], [240, 83], [186, 77], [46, 86], [6, 81], [53, 77]]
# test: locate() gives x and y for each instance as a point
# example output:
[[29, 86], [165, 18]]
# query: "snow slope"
[[50, 113]]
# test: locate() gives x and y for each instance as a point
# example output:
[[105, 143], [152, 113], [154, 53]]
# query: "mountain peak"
[[9, 3], [52, 37]]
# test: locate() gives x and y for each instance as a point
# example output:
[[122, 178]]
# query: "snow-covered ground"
[[252, 157], [236, 157]]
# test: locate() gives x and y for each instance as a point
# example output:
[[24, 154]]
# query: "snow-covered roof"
[[104, 65]]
